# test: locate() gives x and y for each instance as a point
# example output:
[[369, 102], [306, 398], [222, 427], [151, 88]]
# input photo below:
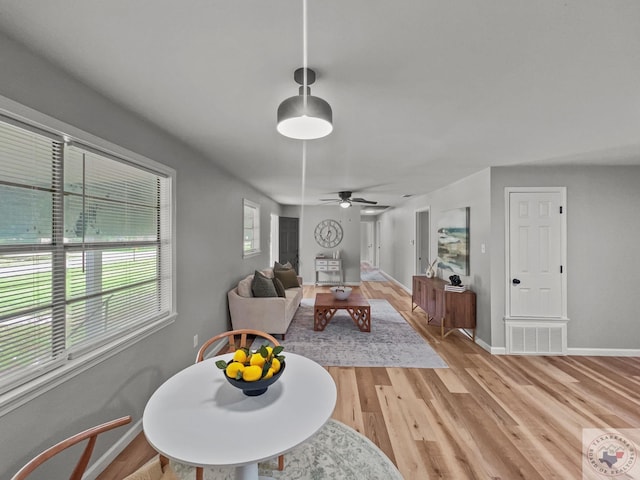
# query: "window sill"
[[27, 392]]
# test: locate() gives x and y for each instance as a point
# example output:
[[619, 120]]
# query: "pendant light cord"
[[304, 98], [304, 52], [302, 193]]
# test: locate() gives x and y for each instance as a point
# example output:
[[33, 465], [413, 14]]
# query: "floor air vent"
[[535, 337]]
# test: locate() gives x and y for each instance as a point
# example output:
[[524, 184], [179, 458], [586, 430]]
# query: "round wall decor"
[[328, 233]]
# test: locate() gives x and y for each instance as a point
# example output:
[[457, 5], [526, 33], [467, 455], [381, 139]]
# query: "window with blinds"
[[85, 250], [251, 230]]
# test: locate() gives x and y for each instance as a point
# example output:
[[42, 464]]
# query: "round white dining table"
[[198, 418]]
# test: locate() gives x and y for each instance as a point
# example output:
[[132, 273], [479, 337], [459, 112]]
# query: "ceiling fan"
[[346, 200]]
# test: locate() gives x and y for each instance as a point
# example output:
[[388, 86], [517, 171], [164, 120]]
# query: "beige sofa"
[[268, 314]]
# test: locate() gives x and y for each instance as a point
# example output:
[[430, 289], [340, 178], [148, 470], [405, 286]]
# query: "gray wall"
[[602, 236], [398, 232], [603, 258], [209, 262], [349, 248]]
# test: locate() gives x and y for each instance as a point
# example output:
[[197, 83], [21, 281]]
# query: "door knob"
[[515, 281]]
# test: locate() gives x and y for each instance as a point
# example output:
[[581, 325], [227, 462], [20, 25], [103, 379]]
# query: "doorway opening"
[[377, 246], [423, 233], [288, 249], [366, 243]]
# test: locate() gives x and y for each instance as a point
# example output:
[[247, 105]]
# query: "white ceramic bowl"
[[341, 293]]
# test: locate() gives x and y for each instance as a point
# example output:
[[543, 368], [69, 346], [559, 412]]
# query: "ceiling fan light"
[[305, 123], [345, 203]]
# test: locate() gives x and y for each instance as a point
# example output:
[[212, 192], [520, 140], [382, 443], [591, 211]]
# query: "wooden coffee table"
[[326, 307]]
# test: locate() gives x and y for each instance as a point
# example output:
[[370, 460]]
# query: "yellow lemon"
[[240, 356], [252, 373], [269, 374], [275, 364], [257, 360], [269, 350], [233, 368]]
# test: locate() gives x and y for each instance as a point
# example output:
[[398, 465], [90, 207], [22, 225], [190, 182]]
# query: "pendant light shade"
[[305, 117], [305, 123]]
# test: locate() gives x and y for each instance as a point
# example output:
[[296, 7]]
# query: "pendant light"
[[304, 117]]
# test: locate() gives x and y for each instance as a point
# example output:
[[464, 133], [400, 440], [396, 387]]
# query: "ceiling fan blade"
[[329, 199], [362, 200]]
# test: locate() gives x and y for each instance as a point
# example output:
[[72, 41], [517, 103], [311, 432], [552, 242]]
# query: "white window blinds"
[[251, 229], [85, 251], [30, 178]]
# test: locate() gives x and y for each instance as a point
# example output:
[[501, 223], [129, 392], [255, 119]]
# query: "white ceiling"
[[424, 92]]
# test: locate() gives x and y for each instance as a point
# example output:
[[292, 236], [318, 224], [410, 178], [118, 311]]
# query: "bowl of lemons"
[[254, 371]]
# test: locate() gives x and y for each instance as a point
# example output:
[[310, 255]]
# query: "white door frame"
[[563, 243], [367, 243], [274, 239], [418, 241], [377, 244]]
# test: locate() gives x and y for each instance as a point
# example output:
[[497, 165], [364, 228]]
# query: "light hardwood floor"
[[485, 417]]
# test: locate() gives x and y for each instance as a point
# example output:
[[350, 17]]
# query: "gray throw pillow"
[[288, 278], [280, 266], [262, 286], [279, 287]]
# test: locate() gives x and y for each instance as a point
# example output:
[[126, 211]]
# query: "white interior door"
[[536, 269], [366, 242]]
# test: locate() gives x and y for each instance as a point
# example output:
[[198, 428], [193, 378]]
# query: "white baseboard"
[[109, 456], [391, 279], [578, 352], [492, 350], [583, 352], [604, 352]]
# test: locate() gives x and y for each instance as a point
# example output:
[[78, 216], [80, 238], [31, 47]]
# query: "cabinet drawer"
[[321, 268], [334, 263], [321, 262], [334, 268]]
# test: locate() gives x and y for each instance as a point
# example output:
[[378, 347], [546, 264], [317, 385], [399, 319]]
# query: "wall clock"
[[328, 233]]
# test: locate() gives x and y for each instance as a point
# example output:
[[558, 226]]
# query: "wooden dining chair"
[[236, 339], [91, 434]]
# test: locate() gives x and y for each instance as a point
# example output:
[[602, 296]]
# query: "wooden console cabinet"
[[449, 310]]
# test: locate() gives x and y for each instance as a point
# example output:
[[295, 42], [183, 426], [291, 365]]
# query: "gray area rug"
[[392, 342], [335, 452]]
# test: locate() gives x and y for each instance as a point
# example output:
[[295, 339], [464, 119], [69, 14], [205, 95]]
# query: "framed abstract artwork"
[[453, 241]]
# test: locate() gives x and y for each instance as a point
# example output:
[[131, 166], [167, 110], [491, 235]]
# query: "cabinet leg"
[[442, 332]]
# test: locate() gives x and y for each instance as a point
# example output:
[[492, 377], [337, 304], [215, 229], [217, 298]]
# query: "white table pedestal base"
[[250, 472], [247, 472]]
